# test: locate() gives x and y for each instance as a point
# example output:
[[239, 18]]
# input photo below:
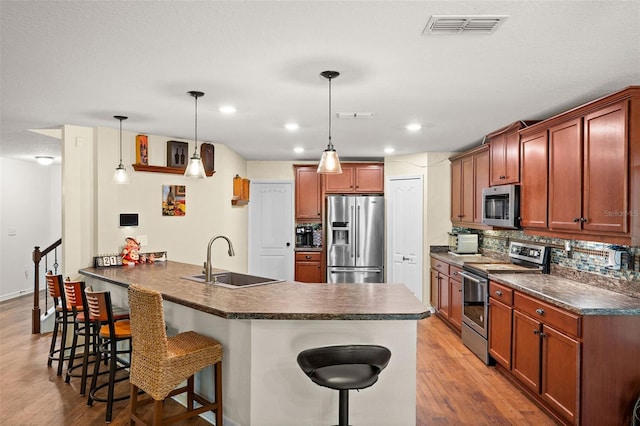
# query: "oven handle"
[[472, 277]]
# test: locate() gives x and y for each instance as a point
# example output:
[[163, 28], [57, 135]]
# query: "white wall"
[[92, 202], [30, 205]]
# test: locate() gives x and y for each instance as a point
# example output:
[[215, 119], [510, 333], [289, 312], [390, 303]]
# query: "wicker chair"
[[160, 363]]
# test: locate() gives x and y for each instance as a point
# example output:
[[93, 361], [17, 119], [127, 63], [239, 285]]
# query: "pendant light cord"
[[195, 150], [120, 165], [330, 143]]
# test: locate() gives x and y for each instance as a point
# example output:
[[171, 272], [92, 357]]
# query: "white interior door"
[[404, 232], [271, 230]]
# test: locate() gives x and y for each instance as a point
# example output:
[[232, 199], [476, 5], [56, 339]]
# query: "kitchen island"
[[263, 328]]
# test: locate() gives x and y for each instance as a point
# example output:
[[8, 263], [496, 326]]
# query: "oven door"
[[474, 302]]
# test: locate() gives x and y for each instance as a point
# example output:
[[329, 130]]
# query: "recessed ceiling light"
[[298, 150], [389, 150], [44, 160], [227, 109], [292, 126], [413, 127]]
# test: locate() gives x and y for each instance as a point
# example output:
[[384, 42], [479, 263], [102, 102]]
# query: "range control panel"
[[529, 252]]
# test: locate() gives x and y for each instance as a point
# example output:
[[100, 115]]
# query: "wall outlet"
[[567, 245]]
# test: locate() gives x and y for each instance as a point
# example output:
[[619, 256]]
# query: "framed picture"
[[177, 154], [207, 155], [142, 150], [174, 201]]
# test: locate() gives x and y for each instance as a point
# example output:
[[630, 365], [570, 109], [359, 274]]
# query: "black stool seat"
[[343, 368]]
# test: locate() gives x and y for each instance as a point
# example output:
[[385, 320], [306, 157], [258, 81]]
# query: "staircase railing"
[[37, 257]]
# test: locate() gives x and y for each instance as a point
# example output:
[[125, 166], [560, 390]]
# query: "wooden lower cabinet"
[[455, 299], [309, 267], [500, 330], [446, 292]]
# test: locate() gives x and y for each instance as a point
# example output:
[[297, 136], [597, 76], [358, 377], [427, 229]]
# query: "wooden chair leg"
[[218, 391], [133, 404], [190, 387], [157, 412]]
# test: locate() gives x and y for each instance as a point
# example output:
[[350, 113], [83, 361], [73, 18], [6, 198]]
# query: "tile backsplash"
[[585, 256]]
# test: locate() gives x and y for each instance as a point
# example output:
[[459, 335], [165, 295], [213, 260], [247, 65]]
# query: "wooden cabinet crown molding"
[[581, 110]]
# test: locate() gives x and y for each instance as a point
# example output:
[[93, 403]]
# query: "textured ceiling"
[[81, 62]]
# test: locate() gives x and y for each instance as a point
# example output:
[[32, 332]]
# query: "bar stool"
[[111, 332], [85, 328], [62, 317], [344, 368], [160, 363]]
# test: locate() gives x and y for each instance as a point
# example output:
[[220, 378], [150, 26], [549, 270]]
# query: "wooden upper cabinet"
[[593, 171], [361, 178], [605, 204], [308, 194], [469, 175], [589, 172], [505, 154], [481, 169], [534, 180], [565, 175]]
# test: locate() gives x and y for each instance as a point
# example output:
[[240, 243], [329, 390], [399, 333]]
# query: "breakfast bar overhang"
[[263, 328]]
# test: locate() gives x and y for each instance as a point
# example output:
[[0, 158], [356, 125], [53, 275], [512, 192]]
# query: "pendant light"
[[195, 168], [120, 176], [329, 163]]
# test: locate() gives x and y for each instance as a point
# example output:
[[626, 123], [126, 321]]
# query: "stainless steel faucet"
[[207, 266]]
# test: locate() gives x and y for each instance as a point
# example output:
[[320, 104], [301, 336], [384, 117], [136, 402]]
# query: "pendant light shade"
[[195, 168], [120, 176], [329, 163]]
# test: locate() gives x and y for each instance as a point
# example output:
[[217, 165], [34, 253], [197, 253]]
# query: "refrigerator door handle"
[[354, 227], [338, 271], [358, 236]]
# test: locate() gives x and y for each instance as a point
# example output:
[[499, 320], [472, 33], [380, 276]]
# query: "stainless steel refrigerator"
[[355, 239]]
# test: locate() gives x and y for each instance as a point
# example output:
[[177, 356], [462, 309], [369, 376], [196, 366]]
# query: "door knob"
[[288, 244]]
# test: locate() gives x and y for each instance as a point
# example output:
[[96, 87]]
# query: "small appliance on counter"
[[463, 243], [304, 236]]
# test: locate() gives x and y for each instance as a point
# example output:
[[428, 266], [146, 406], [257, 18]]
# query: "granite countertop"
[[459, 259], [574, 296], [308, 249], [286, 300]]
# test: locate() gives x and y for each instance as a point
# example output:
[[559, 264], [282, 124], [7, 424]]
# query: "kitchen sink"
[[233, 280]]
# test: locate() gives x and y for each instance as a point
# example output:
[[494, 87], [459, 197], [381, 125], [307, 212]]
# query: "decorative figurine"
[[131, 252]]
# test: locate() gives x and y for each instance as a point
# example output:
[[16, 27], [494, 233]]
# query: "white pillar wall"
[[92, 203]]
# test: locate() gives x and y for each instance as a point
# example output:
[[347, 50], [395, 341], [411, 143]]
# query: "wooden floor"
[[454, 386]]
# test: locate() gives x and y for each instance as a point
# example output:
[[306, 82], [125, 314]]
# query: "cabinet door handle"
[[543, 335], [307, 257], [583, 219], [540, 311], [498, 292], [455, 273], [536, 331], [576, 219]]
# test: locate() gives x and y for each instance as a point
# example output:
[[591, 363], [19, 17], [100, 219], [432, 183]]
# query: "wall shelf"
[[161, 169]]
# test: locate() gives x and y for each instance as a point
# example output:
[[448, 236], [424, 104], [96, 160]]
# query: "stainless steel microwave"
[[501, 206]]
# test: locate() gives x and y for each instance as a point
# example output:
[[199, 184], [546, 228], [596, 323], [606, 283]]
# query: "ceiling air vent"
[[458, 24]]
